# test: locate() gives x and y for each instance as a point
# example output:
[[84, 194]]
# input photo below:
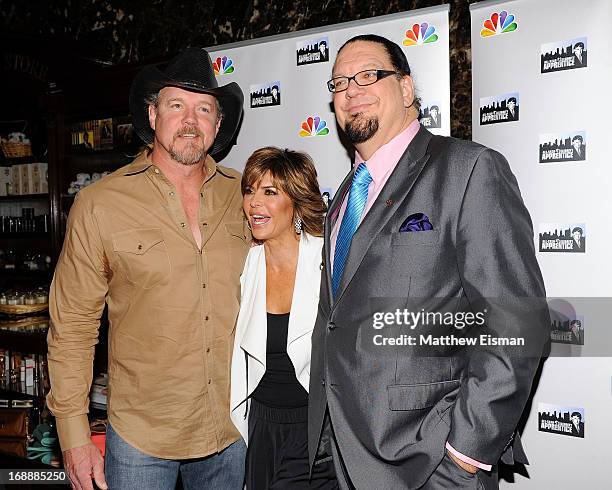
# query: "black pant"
[[277, 453]]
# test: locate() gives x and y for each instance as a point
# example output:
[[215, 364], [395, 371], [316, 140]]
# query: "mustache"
[[189, 131]]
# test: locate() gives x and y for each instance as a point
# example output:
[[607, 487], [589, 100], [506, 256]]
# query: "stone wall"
[[117, 32]]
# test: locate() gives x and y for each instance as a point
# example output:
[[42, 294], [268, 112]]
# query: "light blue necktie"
[[358, 195]]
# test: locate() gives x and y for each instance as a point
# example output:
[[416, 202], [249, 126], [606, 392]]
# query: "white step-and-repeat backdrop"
[[287, 103], [542, 76]]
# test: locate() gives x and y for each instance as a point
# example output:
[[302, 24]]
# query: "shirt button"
[[206, 318], [182, 225], [203, 286], [140, 246], [204, 224], [171, 193], [201, 194], [207, 350], [156, 170], [209, 381]]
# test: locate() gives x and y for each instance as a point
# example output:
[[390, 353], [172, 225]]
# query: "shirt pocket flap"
[[137, 241], [236, 228], [419, 396]]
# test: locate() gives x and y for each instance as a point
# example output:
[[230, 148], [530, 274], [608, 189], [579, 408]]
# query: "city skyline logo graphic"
[[420, 34], [567, 331], [562, 237], [314, 126], [560, 419], [568, 146], [498, 23], [499, 108], [566, 325], [223, 66], [312, 51], [265, 94], [563, 55]]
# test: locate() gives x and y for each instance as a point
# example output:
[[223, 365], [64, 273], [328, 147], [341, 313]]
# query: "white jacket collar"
[[253, 300]]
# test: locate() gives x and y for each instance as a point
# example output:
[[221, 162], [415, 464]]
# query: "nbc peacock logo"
[[498, 23], [223, 66], [420, 34], [314, 126]]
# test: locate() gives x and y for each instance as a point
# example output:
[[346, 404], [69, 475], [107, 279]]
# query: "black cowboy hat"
[[191, 70]]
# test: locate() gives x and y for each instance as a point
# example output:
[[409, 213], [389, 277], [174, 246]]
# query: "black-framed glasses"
[[363, 78]]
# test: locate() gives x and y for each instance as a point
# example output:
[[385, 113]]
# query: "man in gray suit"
[[428, 224]]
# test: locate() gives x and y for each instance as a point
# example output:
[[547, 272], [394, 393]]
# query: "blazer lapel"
[[306, 289], [394, 192], [253, 311]]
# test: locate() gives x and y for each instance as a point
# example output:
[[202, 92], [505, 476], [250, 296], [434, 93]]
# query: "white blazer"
[[250, 342]]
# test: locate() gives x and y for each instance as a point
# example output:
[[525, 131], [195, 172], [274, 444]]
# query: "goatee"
[[192, 153], [359, 130]]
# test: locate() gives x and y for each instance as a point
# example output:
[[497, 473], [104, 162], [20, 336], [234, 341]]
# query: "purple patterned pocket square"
[[416, 222]]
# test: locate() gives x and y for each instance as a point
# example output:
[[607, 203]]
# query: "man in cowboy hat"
[[162, 242]]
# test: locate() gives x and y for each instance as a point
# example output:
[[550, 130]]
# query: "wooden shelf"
[[10, 161], [110, 158], [24, 234], [25, 197], [39, 273], [16, 393], [24, 342]]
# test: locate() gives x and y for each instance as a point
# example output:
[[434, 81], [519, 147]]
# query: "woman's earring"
[[298, 225]]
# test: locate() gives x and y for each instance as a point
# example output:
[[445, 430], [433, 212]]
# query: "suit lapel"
[[330, 220], [388, 201]]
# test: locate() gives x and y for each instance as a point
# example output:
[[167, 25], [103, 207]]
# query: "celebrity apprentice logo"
[[312, 51], [314, 126], [563, 237], [265, 94], [499, 109], [223, 66], [567, 331], [564, 55], [563, 147], [420, 34], [498, 23], [429, 115], [557, 419]]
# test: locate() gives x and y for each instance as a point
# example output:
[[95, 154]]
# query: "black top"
[[279, 387]]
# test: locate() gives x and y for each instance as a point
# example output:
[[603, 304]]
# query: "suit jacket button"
[[322, 382], [331, 326]]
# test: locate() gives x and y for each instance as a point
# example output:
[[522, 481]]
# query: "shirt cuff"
[[73, 431], [467, 459]]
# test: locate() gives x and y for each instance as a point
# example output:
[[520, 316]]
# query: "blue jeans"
[[126, 468]]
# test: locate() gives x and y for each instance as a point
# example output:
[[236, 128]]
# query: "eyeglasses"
[[363, 78]]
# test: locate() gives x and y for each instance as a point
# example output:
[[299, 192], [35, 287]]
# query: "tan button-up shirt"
[[172, 310]]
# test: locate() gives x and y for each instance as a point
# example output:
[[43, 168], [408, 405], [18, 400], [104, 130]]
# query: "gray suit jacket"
[[393, 408]]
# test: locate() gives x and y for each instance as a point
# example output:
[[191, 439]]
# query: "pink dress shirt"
[[381, 165]]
